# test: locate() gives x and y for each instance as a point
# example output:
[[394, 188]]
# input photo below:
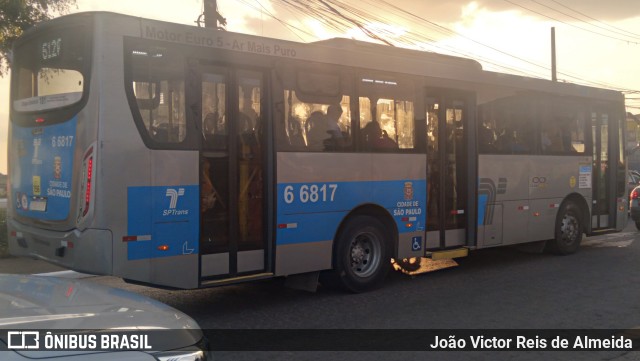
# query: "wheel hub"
[[569, 228], [362, 255], [357, 253]]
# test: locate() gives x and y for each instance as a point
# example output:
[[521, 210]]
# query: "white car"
[[32, 305]]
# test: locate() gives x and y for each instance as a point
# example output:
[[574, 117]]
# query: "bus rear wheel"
[[569, 229], [361, 255]]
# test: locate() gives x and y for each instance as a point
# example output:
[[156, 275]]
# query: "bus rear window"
[[47, 88], [49, 70]]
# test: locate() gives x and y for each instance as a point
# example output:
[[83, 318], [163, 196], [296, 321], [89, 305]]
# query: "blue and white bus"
[[185, 157]]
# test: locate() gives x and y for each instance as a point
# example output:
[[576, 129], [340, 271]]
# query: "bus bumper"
[[88, 251]]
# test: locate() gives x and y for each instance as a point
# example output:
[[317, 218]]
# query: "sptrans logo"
[[174, 195]]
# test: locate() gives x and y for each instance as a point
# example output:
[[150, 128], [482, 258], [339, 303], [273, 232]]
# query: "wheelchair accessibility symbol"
[[416, 243]]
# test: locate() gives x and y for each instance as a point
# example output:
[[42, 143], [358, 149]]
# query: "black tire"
[[638, 225], [569, 229], [361, 257]]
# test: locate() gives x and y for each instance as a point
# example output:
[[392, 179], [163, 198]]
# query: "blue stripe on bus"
[[162, 216], [41, 183], [482, 208], [312, 212]]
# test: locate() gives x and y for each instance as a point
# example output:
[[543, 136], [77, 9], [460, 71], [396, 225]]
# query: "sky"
[[597, 42]]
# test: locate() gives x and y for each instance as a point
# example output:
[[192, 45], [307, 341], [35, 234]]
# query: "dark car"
[[634, 205], [32, 306], [633, 178]]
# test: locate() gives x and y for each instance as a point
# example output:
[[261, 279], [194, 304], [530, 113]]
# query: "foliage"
[[17, 16]]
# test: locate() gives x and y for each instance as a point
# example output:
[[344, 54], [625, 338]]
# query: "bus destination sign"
[[51, 49]]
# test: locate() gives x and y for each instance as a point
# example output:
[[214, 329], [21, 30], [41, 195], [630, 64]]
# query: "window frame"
[[191, 140], [82, 25], [289, 81], [406, 92]]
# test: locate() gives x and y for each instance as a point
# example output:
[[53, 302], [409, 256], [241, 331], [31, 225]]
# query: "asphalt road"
[[596, 288]]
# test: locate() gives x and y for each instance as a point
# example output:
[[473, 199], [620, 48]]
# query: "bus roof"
[[347, 52], [380, 49]]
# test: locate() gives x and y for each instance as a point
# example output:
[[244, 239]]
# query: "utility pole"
[[554, 77], [211, 15]]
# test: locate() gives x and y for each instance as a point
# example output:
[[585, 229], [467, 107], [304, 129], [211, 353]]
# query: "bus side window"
[[214, 121], [315, 127], [486, 139], [159, 94], [563, 131], [386, 125]]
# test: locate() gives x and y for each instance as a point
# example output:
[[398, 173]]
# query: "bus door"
[[232, 231], [447, 116], [601, 168]]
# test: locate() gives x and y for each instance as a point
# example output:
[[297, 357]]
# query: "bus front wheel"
[[568, 232], [361, 255]]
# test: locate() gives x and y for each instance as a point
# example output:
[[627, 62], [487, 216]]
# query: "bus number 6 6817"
[[310, 193]]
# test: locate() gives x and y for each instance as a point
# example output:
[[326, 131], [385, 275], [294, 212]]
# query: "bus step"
[[600, 232], [234, 280], [448, 254]]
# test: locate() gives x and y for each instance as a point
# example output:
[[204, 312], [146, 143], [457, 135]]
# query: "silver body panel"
[[526, 197], [363, 172]]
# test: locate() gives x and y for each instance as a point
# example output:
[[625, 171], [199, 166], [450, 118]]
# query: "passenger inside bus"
[[160, 132], [385, 142], [248, 117], [213, 131], [323, 130], [207, 191], [376, 139], [552, 140], [487, 139], [317, 131], [511, 143], [337, 140], [564, 123], [296, 138]]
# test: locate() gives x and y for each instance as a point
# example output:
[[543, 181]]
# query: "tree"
[[17, 16]]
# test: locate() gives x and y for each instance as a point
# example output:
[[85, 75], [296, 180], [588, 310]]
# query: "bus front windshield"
[[49, 70]]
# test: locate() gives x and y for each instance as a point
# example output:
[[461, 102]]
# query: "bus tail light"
[[87, 183], [87, 194], [634, 194]]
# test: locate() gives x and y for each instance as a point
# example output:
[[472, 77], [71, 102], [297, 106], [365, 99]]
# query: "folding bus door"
[[448, 171], [232, 168], [601, 197]]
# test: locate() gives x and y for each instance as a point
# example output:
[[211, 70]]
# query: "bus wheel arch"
[[362, 249], [571, 222]]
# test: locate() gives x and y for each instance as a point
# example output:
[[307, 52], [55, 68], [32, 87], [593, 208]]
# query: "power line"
[[284, 23], [576, 77], [596, 20], [572, 25], [351, 16], [458, 34], [449, 31], [342, 17], [581, 20]]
